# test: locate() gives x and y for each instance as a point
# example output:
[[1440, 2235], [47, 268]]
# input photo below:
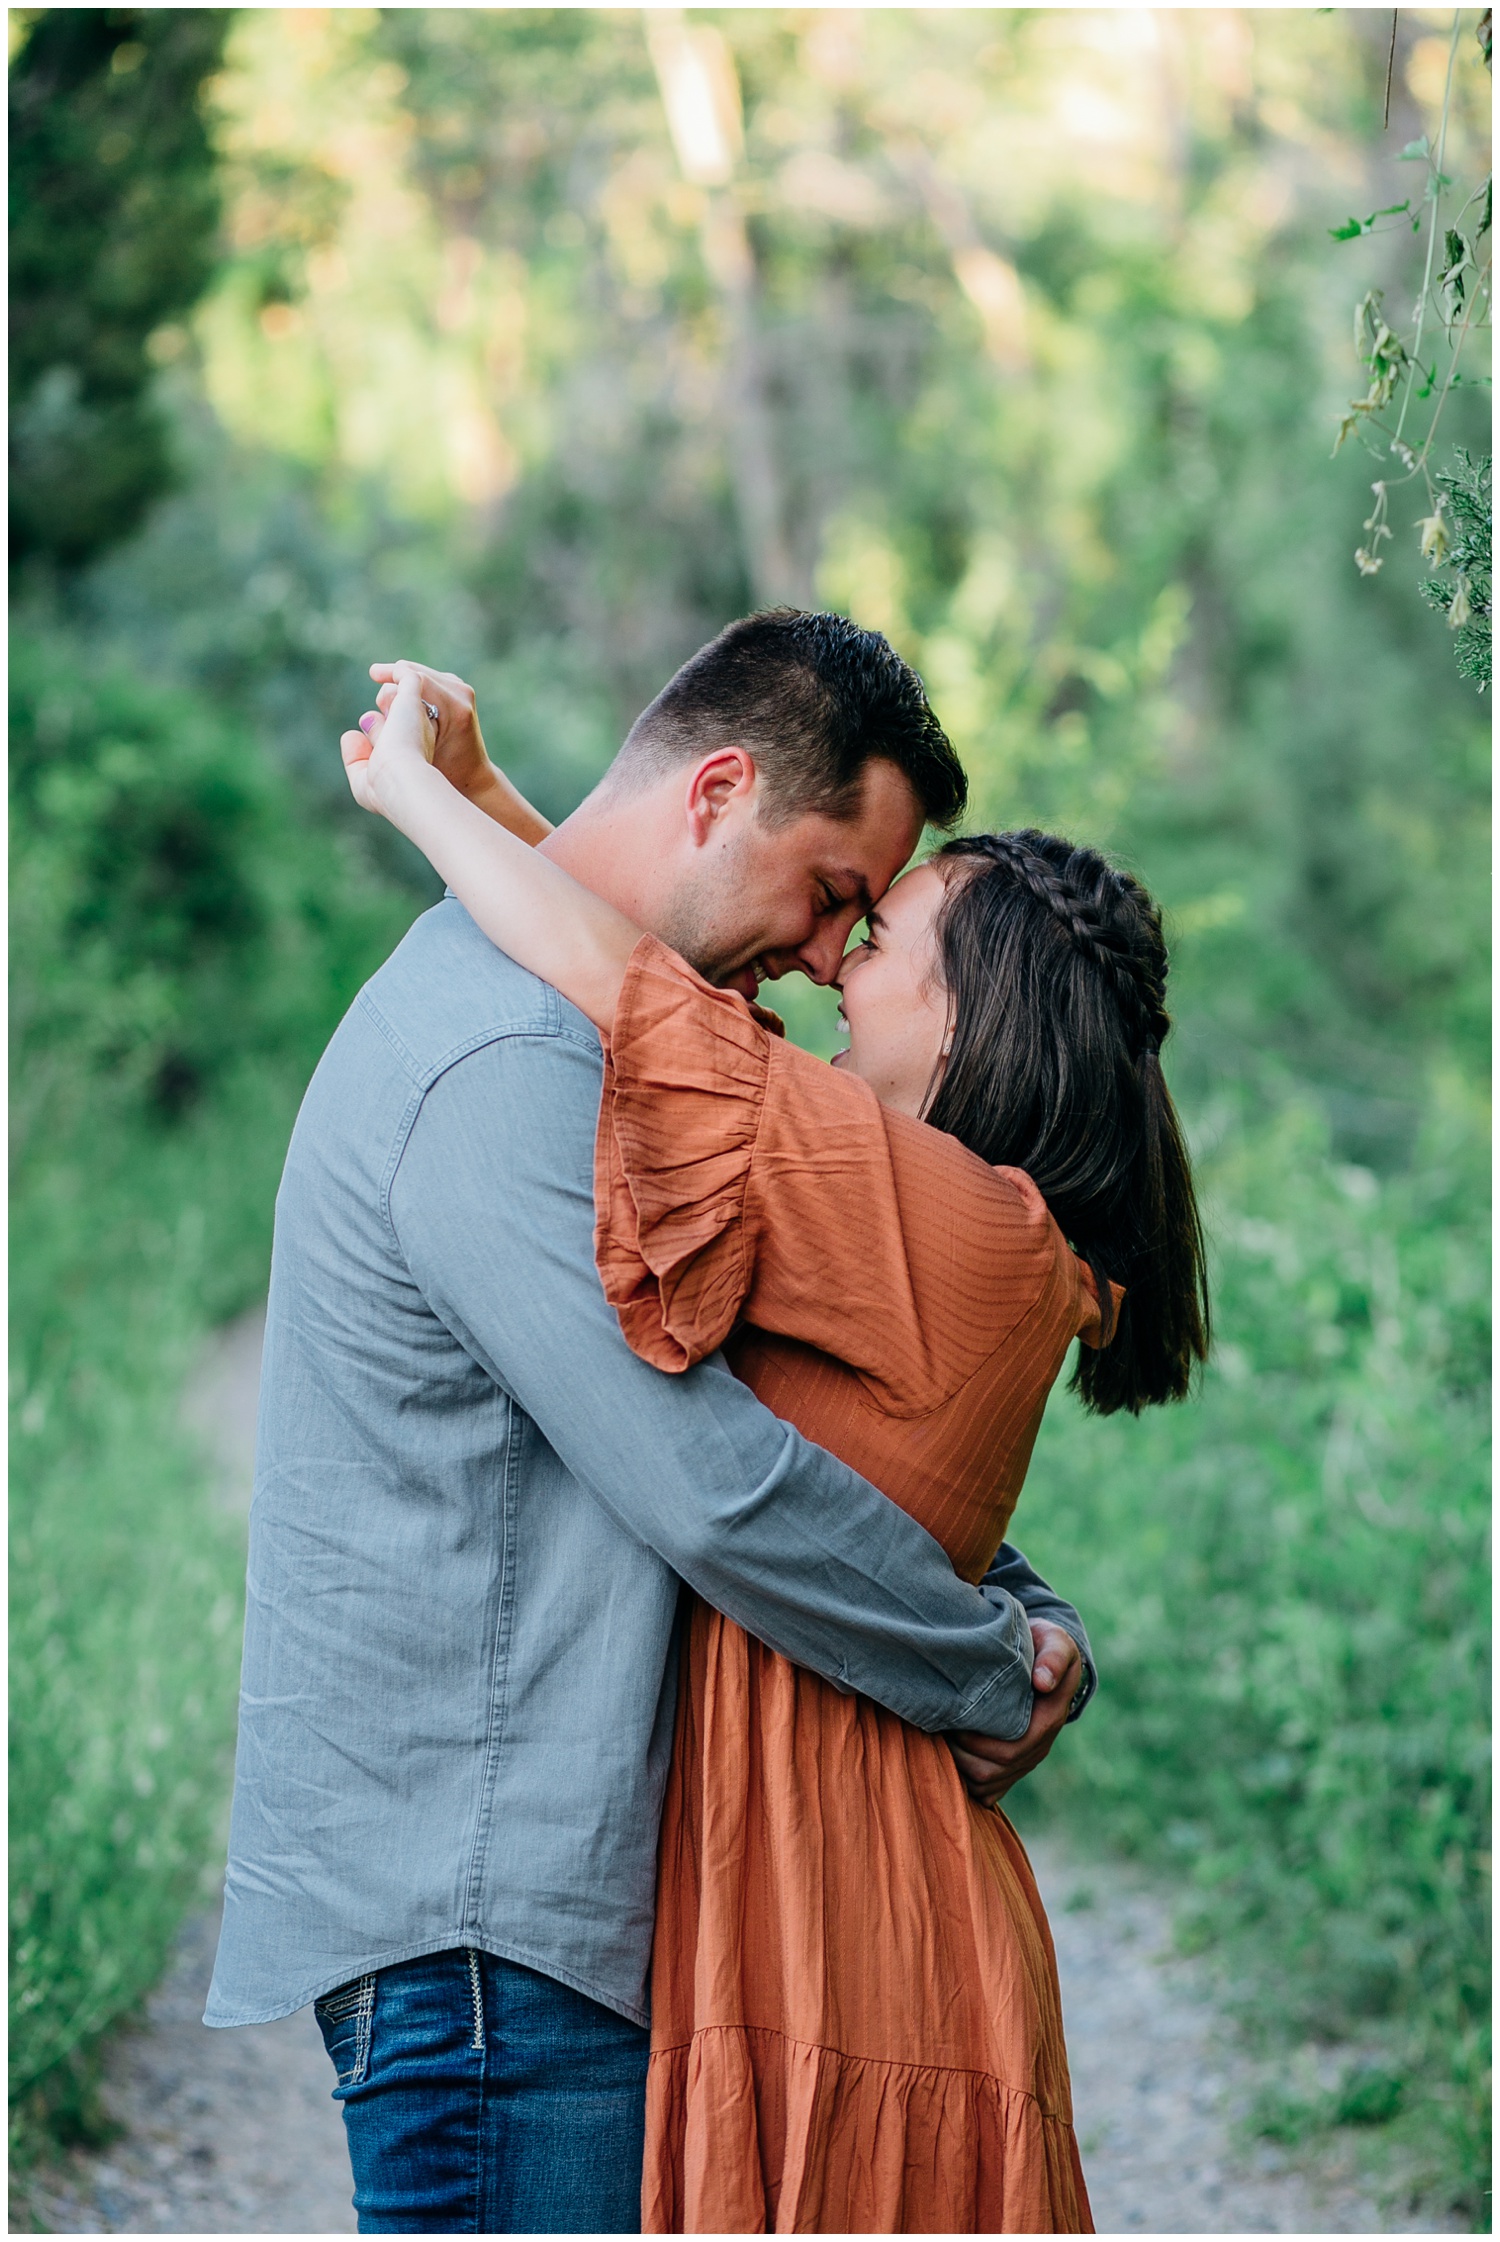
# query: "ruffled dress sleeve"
[[738, 1178]]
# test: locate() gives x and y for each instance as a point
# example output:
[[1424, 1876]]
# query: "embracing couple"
[[634, 1658]]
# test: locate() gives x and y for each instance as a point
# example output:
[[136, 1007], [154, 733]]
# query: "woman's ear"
[[722, 783]]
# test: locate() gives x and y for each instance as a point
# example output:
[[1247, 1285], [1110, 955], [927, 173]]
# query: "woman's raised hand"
[[485, 851], [459, 752], [390, 743]]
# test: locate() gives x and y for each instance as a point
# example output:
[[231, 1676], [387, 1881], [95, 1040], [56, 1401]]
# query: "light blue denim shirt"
[[473, 1509]]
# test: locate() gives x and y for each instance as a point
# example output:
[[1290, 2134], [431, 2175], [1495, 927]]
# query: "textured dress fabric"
[[856, 2024]]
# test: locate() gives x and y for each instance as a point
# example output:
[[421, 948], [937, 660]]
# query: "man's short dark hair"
[[814, 699]]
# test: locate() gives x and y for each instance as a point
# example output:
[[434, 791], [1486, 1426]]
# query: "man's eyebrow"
[[861, 894]]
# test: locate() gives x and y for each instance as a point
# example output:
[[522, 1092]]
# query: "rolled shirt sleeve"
[[1012, 1581]]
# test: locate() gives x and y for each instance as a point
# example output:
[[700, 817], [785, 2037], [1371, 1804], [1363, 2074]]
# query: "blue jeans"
[[483, 2098]]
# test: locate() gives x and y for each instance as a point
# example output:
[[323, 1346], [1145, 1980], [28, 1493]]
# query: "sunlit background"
[[538, 345]]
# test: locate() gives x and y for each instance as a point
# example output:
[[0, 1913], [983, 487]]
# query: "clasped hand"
[[988, 1764], [400, 731], [455, 748]]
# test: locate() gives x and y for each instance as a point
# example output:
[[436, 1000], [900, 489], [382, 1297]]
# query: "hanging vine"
[[1422, 365]]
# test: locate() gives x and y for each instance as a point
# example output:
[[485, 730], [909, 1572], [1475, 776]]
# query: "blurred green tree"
[[114, 210]]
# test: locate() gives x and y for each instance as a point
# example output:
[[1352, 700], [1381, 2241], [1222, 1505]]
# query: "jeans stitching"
[[476, 2044], [363, 2030], [338, 2005], [355, 2000], [465, 2192]]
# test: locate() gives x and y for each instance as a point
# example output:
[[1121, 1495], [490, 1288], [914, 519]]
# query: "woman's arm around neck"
[[527, 905]]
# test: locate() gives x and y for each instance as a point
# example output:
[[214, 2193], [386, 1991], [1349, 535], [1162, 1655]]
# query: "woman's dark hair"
[[1056, 973]]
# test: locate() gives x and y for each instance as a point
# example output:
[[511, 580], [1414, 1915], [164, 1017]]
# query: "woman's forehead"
[[913, 897]]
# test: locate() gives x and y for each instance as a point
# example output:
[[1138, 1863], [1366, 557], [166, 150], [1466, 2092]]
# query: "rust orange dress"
[[856, 2025]]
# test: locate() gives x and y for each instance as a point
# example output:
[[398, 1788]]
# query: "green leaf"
[[1415, 151], [1353, 227]]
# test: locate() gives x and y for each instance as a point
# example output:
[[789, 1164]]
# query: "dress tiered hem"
[[750, 2132]]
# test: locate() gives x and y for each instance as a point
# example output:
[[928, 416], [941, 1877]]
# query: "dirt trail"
[[224, 2132], [1159, 2081], [235, 2132]]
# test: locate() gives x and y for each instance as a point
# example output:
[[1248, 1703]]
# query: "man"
[[474, 1505]]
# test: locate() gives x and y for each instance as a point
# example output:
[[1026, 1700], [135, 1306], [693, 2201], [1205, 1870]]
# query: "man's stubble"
[[707, 919]]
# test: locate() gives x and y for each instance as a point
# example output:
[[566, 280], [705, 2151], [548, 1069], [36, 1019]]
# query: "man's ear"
[[720, 784]]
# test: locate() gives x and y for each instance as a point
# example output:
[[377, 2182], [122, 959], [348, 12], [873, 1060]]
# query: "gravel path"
[[1159, 2081], [235, 2132], [224, 2132]]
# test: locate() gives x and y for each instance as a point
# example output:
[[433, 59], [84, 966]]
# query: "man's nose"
[[822, 956]]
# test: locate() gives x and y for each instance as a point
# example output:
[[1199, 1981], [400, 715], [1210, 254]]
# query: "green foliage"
[[183, 943], [1368, 2094], [1046, 402], [1287, 1586], [180, 925], [113, 210], [1455, 296], [1469, 554], [125, 1598]]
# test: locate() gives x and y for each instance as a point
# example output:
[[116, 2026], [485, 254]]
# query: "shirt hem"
[[220, 2017]]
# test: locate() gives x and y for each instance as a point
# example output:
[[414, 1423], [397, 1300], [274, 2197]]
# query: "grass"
[[126, 1589]]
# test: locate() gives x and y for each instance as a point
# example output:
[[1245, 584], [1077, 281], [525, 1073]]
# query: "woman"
[[856, 2023]]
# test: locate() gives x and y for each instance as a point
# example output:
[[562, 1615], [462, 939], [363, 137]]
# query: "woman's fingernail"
[[364, 724]]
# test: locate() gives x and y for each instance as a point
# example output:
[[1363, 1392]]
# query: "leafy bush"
[[183, 943], [1287, 1586]]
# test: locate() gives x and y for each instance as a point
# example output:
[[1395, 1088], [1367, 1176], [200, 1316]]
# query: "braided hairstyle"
[[1056, 971]]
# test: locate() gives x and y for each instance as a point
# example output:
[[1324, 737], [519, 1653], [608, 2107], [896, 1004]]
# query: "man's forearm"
[[1011, 1576]]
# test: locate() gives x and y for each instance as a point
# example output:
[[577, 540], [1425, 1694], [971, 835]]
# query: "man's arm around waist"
[[492, 1207]]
